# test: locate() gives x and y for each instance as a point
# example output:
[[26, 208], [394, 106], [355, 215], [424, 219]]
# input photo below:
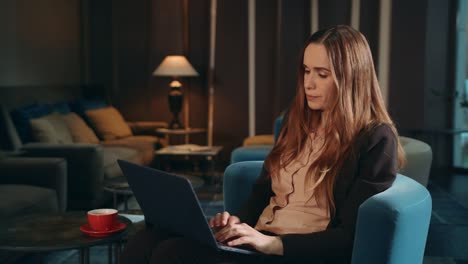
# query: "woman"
[[338, 146]]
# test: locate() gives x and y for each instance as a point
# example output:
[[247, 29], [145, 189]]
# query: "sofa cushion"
[[33, 199], [108, 123], [259, 140], [21, 118], [80, 131], [51, 129], [112, 154], [145, 146]]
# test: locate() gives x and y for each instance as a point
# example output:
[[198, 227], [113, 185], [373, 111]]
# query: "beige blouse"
[[294, 207]]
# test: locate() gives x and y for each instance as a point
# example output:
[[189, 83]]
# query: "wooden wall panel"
[[334, 12], [8, 43], [231, 103], [132, 24], [369, 26], [406, 87], [295, 29], [41, 44], [265, 68], [198, 55], [101, 47]]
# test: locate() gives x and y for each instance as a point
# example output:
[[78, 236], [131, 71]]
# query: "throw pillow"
[[80, 131], [108, 123], [51, 129], [42, 131], [21, 117]]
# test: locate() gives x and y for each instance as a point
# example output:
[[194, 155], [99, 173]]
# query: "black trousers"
[[152, 246]]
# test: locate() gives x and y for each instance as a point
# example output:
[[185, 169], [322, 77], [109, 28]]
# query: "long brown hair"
[[357, 106]]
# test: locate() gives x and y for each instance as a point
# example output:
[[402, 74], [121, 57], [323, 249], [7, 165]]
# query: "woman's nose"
[[309, 83]]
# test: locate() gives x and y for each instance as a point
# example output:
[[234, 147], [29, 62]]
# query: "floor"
[[448, 232], [447, 241]]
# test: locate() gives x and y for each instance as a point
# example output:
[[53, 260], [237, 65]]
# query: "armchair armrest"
[[43, 172], [85, 164], [146, 127]]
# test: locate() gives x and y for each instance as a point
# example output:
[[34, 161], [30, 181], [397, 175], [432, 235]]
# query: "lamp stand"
[[175, 98]]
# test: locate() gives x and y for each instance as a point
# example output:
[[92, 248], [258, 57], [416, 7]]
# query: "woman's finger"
[[217, 221], [232, 232], [225, 233], [225, 218], [233, 220], [222, 233], [239, 241]]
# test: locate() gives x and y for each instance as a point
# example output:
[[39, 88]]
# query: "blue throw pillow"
[[82, 105], [23, 115], [61, 107]]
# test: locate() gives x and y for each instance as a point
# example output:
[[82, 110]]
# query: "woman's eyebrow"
[[318, 68], [321, 68]]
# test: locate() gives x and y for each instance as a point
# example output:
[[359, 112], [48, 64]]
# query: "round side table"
[[52, 232]]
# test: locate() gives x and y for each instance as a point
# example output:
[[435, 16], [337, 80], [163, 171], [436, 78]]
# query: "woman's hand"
[[223, 219], [242, 234]]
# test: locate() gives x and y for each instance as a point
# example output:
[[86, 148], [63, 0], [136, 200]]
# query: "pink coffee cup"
[[102, 219]]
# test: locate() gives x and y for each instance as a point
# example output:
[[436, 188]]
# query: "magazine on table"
[[190, 148]]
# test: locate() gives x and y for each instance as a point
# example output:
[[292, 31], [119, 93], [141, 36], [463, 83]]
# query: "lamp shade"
[[175, 66]]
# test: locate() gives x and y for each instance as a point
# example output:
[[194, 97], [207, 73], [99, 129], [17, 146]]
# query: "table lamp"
[[175, 66]]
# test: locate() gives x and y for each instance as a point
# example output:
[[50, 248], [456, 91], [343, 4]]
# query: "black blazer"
[[371, 168]]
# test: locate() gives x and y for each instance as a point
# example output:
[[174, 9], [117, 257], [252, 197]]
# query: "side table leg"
[[117, 248], [84, 255], [109, 253], [126, 203], [115, 200]]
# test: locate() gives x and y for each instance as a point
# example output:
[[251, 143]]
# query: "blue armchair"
[[256, 152], [391, 227]]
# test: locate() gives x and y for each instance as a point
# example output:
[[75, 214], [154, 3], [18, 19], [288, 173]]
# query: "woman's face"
[[318, 79]]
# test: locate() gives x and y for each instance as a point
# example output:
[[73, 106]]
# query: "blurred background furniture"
[[32, 185], [257, 147], [392, 226], [43, 233], [167, 132], [90, 134], [419, 159]]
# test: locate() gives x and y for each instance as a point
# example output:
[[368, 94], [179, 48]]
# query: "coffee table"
[[52, 232], [207, 153], [183, 131]]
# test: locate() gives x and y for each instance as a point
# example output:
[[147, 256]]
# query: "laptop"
[[169, 203]]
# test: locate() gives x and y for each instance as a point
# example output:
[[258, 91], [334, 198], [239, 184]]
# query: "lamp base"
[[175, 105], [175, 124]]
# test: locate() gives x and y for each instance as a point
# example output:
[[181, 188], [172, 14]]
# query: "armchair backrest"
[[391, 227], [257, 152], [238, 181], [277, 126], [419, 159]]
